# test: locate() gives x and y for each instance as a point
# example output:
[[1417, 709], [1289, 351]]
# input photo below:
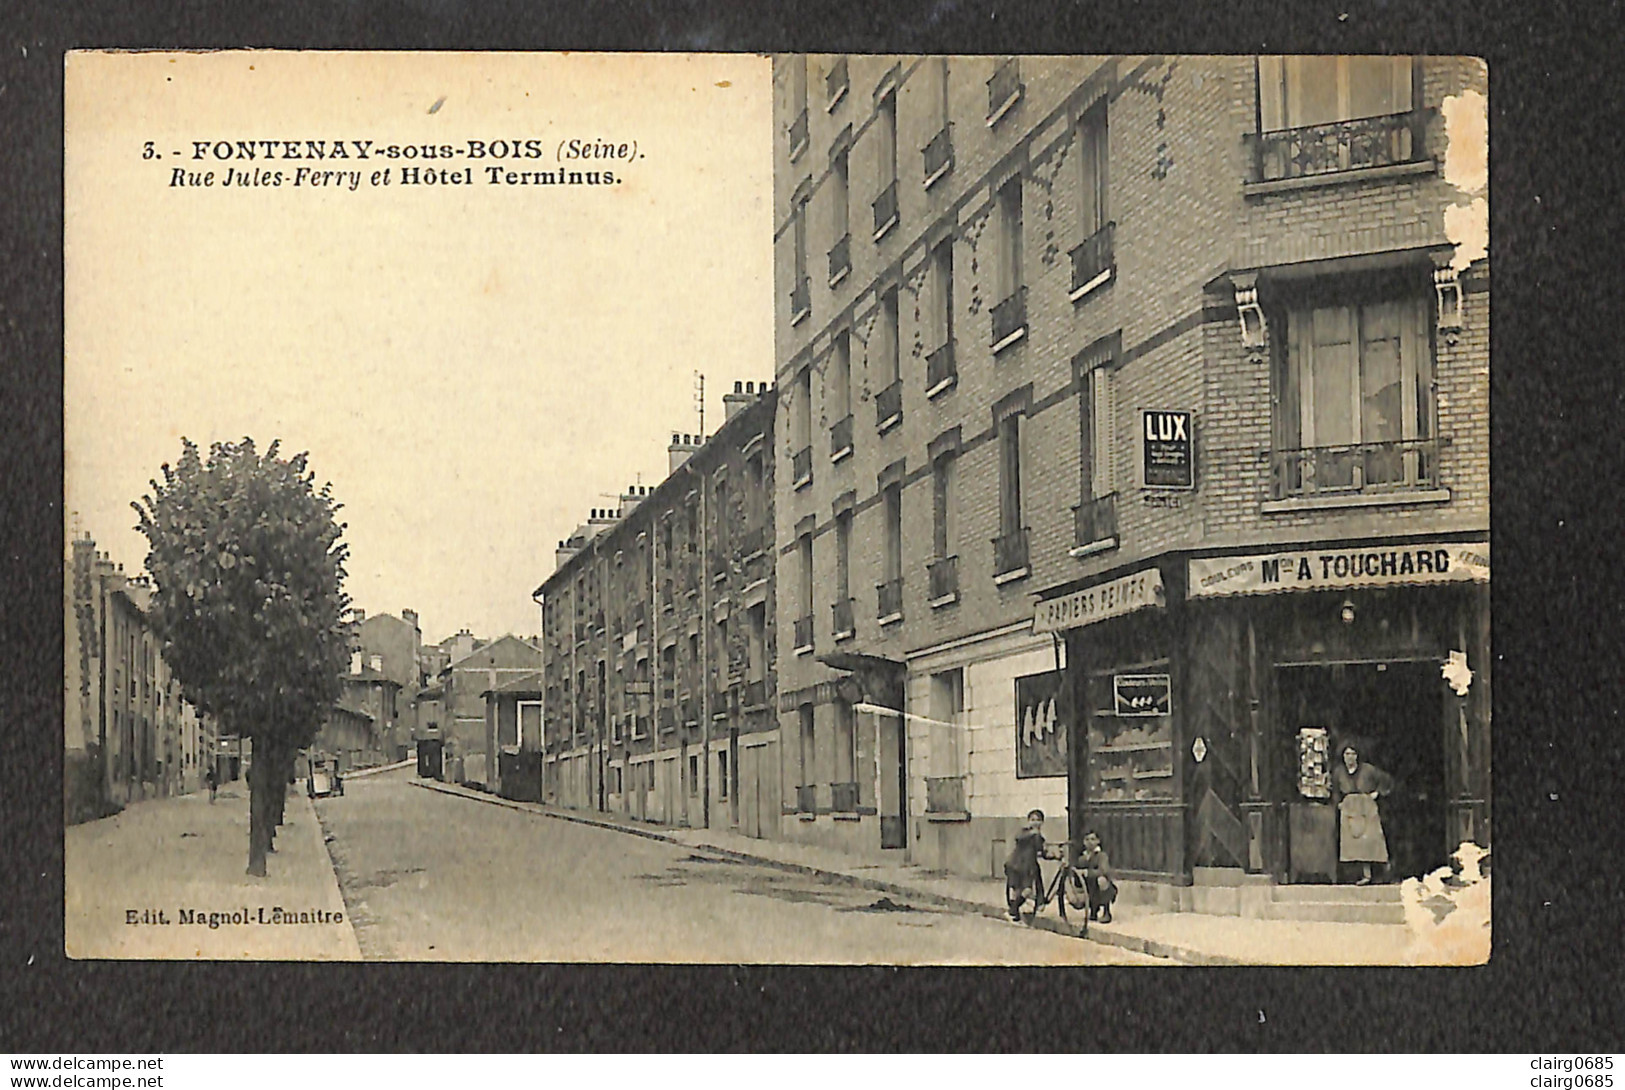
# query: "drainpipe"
[[702, 562]]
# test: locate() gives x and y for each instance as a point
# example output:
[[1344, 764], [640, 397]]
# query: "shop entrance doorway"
[[1394, 711]]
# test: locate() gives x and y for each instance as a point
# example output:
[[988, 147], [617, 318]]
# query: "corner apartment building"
[[1078, 356], [658, 638]]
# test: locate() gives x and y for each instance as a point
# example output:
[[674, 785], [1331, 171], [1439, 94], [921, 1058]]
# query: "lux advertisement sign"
[[1170, 460], [1341, 567]]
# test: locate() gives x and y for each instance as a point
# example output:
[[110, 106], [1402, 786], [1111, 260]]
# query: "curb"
[[377, 769], [314, 822], [1132, 943]]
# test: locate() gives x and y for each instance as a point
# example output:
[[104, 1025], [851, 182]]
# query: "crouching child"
[[1096, 867]]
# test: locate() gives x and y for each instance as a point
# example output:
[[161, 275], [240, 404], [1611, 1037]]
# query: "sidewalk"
[[1187, 937], [146, 883]]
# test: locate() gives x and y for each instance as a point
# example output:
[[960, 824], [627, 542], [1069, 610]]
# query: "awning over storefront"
[[1125, 594], [1425, 563]]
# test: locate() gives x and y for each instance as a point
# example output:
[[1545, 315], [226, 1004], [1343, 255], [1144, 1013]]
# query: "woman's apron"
[[1361, 839]]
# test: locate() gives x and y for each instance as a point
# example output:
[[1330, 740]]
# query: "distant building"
[[460, 701], [128, 733], [659, 629], [394, 646]]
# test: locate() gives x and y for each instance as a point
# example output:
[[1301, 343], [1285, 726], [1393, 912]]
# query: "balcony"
[[1010, 320], [840, 438], [836, 84], [804, 634], [1389, 140], [755, 693], [886, 210], [889, 407], [945, 795], [944, 576], [798, 135], [889, 596], [1356, 470], [840, 259], [1010, 556], [1003, 90], [939, 156], [941, 370], [801, 467], [807, 799], [1094, 523], [1092, 262], [800, 301], [844, 626], [843, 798]]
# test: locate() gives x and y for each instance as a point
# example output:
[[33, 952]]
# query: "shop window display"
[[1130, 756]]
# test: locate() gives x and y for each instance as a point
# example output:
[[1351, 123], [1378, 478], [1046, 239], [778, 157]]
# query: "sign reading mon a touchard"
[[1170, 453]]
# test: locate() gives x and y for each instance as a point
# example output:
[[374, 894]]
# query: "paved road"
[[430, 876]]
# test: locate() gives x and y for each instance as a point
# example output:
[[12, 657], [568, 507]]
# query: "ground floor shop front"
[[1215, 695]]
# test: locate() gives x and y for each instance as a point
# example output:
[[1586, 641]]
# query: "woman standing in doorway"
[[1356, 786]]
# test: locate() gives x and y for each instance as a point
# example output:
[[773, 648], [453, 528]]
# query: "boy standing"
[[1096, 868], [1023, 878]]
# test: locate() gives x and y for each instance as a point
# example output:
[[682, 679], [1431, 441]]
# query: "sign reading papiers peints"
[[1341, 568], [1112, 599]]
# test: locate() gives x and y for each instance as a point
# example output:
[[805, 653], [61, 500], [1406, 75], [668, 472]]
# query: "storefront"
[[1124, 778], [1380, 645], [1213, 695]]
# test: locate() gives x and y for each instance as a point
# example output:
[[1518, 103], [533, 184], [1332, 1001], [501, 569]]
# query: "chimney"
[[602, 519], [737, 402], [682, 447], [630, 500], [562, 555], [410, 616]]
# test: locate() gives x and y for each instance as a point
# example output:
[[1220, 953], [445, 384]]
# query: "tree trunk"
[[259, 840]]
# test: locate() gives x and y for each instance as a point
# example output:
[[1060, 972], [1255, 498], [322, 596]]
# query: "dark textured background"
[[1554, 980]]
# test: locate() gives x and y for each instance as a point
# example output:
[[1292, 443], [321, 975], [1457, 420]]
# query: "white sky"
[[470, 366]]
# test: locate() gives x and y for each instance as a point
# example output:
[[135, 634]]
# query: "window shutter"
[[1105, 431], [1271, 109]]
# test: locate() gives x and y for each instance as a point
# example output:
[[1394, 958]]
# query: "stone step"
[[1307, 894], [1337, 912]]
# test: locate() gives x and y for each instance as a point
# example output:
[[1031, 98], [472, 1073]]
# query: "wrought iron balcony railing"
[[1009, 318], [837, 82], [945, 794], [840, 259], [939, 155], [843, 798], [798, 134], [807, 798], [944, 575], [844, 625], [1092, 259], [1357, 467], [801, 466], [1095, 520], [889, 405], [800, 300], [804, 632], [886, 209], [1003, 88], [889, 596], [1385, 140], [840, 437], [1010, 552], [941, 369]]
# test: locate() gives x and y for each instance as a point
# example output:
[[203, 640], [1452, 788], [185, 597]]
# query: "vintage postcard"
[[856, 509]]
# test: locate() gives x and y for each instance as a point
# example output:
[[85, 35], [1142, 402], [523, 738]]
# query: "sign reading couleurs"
[[1170, 454]]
